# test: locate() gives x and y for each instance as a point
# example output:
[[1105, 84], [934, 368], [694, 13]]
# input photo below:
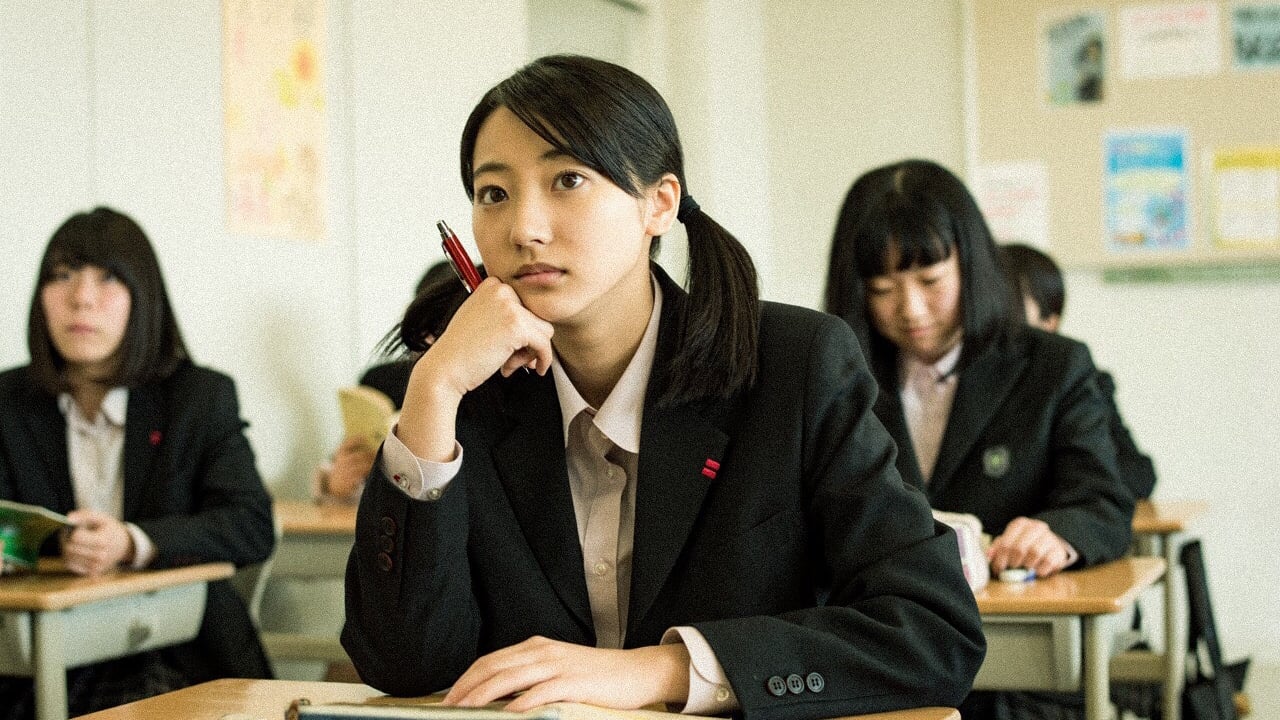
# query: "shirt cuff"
[[419, 479], [709, 689], [144, 551]]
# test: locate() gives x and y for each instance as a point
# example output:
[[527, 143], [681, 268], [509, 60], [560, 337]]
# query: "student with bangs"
[[113, 425], [606, 489], [991, 417]]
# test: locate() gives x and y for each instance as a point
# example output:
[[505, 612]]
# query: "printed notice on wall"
[[1255, 30], [1175, 40], [1145, 190], [274, 117], [1073, 57], [1246, 197], [1014, 198]]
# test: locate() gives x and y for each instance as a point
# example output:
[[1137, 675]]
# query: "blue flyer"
[[1145, 190]]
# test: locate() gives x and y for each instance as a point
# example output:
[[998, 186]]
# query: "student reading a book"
[[341, 480], [991, 417], [113, 425], [1037, 277], [686, 498]]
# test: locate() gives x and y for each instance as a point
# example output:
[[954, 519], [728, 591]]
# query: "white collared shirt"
[[927, 391], [95, 459]]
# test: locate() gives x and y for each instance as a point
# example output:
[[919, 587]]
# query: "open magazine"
[[23, 529]]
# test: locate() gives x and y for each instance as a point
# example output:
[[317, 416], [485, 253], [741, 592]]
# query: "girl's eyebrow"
[[497, 166]]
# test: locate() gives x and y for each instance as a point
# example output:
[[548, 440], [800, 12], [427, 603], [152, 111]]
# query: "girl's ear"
[[663, 202]]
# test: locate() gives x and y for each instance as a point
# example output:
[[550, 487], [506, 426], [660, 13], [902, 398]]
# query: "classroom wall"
[[783, 103]]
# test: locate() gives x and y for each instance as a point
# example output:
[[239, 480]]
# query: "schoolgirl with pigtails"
[[605, 489]]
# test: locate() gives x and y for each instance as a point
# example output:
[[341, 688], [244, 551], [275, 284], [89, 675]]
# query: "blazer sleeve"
[[900, 627], [1088, 505], [230, 515], [412, 620], [1136, 469]]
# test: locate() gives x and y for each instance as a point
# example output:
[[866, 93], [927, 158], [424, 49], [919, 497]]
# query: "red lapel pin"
[[710, 468], [154, 438]]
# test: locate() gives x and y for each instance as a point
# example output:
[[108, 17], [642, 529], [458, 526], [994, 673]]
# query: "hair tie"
[[688, 206]]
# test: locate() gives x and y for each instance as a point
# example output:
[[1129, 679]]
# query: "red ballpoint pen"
[[458, 257]]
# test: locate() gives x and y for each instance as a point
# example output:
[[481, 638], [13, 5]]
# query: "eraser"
[[1017, 575]]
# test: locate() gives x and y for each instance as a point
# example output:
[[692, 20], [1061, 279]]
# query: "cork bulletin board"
[[1123, 134]]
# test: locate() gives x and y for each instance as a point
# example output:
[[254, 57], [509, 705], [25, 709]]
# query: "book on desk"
[[367, 413], [23, 529]]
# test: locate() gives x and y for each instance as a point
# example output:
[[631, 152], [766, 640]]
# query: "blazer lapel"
[[983, 386], [531, 466], [675, 447], [143, 434], [889, 410], [48, 429]]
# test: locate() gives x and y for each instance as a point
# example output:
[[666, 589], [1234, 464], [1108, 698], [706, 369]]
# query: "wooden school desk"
[[53, 620], [1035, 630], [1155, 527], [315, 545], [268, 699]]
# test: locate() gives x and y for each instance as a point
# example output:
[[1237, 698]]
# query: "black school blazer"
[[1027, 436], [805, 555], [189, 483]]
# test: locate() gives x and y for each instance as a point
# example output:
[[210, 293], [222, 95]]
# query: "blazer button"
[[815, 682], [386, 543], [795, 684], [384, 562], [388, 525], [777, 686]]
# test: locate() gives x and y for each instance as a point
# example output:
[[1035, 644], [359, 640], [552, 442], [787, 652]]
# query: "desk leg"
[[1175, 655], [49, 666], [1097, 681]]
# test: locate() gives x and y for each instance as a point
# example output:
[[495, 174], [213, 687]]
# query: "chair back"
[[250, 581]]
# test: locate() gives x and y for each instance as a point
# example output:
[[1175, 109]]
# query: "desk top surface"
[[303, 517], [53, 588], [1099, 590], [268, 699], [1161, 517]]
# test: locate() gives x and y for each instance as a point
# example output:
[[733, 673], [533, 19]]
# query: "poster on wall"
[[1073, 57], [1246, 197], [1145, 190], [1169, 40], [1255, 31], [274, 117], [1014, 198]]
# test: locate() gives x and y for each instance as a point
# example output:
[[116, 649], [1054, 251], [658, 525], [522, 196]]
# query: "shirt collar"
[[113, 408], [942, 370], [620, 415]]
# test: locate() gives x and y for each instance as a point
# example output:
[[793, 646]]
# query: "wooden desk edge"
[[217, 698], [1033, 600], [1155, 517], [303, 517], [65, 591]]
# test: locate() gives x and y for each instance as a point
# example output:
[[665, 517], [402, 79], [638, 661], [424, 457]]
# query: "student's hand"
[[548, 671], [351, 464], [491, 332], [1028, 543], [97, 544]]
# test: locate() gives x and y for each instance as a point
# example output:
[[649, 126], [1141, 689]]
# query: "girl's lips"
[[537, 274]]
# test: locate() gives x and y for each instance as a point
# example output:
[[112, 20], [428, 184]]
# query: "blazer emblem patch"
[[995, 461]]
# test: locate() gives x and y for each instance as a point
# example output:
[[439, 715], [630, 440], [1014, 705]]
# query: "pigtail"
[[720, 331]]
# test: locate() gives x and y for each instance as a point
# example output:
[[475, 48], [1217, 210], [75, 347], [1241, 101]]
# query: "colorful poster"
[[1246, 197], [274, 117], [1073, 58], [1175, 40], [1145, 190], [1014, 198], [1256, 32]]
